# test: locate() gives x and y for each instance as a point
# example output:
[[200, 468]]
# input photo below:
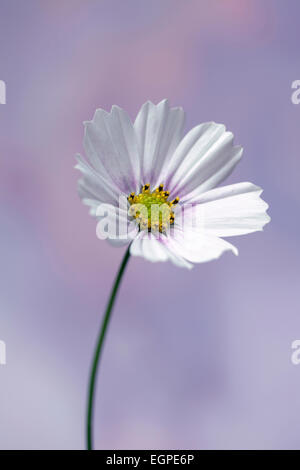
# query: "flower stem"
[[98, 350]]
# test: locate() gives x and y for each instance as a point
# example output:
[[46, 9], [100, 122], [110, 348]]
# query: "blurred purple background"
[[196, 359]]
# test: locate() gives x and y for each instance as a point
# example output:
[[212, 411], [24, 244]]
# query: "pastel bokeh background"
[[198, 359]]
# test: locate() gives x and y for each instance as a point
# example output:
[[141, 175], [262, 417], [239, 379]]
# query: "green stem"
[[97, 354]]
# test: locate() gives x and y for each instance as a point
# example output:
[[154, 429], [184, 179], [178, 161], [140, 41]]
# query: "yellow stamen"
[[175, 201], [141, 204]]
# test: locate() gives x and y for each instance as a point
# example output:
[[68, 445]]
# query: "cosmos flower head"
[[160, 186]]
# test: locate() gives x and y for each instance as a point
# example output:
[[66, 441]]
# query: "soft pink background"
[[196, 359]]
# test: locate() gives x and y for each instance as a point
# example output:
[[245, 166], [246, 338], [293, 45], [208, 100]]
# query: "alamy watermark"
[[295, 97], [123, 222], [2, 353], [295, 357], [2, 343], [2, 92]]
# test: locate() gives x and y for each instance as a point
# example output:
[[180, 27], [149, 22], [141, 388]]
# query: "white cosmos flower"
[[150, 161]]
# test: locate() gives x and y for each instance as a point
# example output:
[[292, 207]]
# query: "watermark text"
[[2, 92], [295, 357], [2, 353], [295, 97]]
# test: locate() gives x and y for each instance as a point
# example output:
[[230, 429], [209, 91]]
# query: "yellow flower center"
[[151, 209]]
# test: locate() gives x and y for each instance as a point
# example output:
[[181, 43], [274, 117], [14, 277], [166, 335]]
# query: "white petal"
[[231, 210], [158, 130], [93, 205], [203, 158], [94, 186], [120, 242], [198, 247], [111, 147], [156, 249], [150, 248], [177, 258]]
